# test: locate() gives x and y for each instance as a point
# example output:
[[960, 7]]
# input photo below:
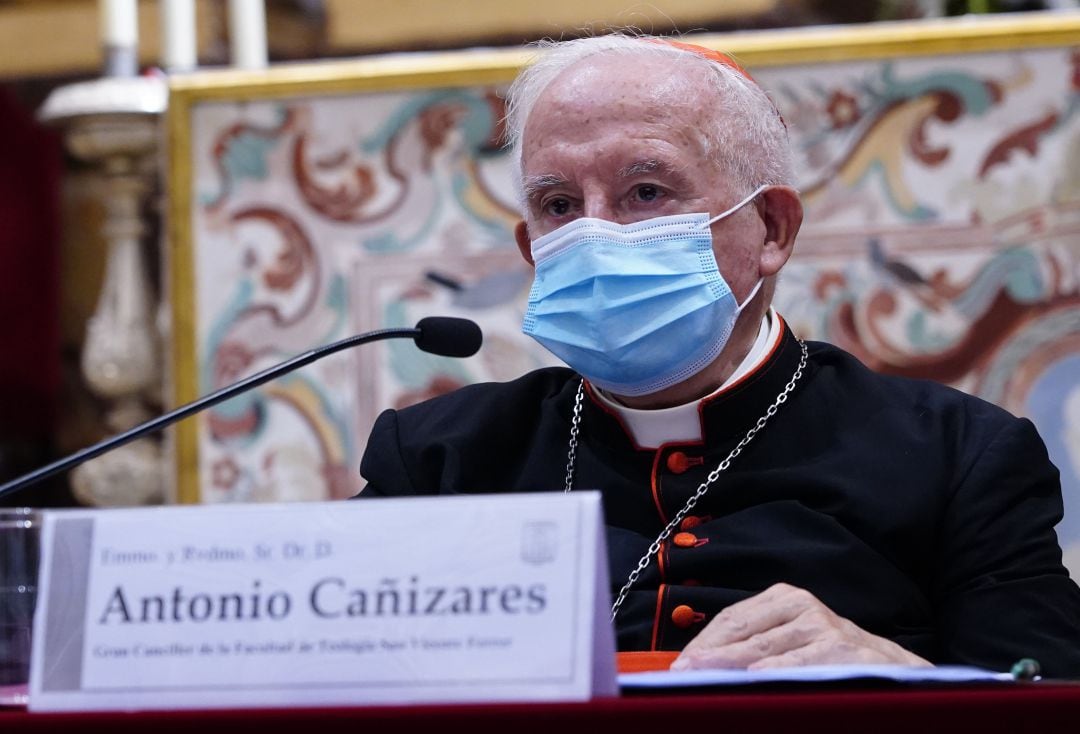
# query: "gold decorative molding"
[[182, 380], [826, 44], [962, 35]]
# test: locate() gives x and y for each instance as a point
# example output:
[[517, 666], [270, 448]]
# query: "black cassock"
[[918, 512]]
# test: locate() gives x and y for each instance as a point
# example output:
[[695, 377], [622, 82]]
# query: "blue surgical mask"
[[635, 308]]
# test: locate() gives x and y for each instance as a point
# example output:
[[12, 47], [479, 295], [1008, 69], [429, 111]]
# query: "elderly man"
[[768, 502]]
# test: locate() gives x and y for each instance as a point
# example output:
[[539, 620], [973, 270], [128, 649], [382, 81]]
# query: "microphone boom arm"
[[202, 403]]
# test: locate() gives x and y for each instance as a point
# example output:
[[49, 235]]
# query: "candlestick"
[[119, 36], [179, 51], [247, 33]]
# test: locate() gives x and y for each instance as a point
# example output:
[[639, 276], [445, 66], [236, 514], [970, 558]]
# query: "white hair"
[[749, 141]]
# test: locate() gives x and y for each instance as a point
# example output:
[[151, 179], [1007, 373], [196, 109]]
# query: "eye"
[[647, 192], [557, 206]]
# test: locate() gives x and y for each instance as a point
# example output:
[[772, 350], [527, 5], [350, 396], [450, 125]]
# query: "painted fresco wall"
[[942, 241]]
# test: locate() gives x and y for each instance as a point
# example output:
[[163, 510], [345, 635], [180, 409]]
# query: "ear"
[[524, 243], [782, 212]]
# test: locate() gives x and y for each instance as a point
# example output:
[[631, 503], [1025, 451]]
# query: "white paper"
[[809, 674]]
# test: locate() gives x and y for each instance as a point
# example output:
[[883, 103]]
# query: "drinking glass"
[[19, 553]]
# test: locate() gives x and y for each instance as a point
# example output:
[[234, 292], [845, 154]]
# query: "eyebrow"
[[534, 185], [639, 167], [651, 165]]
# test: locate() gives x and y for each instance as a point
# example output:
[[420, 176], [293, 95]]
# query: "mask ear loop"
[[753, 292], [728, 213], [738, 206]]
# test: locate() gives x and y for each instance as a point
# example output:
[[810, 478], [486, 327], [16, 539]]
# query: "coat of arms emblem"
[[539, 541]]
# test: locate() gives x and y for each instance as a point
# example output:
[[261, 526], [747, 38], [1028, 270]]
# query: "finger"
[[763, 645], [777, 605], [831, 649], [819, 652]]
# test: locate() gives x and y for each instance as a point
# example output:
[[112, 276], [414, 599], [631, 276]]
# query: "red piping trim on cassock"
[[660, 592], [661, 563]]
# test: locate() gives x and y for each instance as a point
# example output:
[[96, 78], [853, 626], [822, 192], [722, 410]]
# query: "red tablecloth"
[[1036, 707]]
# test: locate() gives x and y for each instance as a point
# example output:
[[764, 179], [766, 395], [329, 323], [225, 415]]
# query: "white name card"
[[449, 599]]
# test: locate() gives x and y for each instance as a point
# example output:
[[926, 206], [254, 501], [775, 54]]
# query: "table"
[[1026, 707]]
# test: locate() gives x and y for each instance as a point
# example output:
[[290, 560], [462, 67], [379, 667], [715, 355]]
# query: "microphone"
[[441, 335], [448, 337]]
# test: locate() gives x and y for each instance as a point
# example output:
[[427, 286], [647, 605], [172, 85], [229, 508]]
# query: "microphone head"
[[448, 336]]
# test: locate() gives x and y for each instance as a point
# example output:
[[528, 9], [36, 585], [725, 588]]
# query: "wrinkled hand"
[[786, 626]]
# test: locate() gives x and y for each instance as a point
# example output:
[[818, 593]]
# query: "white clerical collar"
[[651, 429]]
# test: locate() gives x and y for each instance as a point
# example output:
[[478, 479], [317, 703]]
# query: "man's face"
[[623, 138]]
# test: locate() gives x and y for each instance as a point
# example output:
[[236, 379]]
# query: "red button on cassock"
[[678, 462], [690, 522], [688, 540], [684, 616]]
